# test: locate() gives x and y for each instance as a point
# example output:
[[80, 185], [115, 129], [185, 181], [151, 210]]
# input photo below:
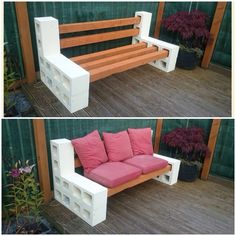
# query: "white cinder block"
[[82, 196], [47, 35], [144, 25], [171, 177], [67, 81]]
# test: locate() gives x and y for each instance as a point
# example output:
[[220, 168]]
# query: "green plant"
[[9, 79], [24, 196]]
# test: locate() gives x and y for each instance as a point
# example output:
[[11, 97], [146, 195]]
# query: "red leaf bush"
[[191, 27], [188, 143]]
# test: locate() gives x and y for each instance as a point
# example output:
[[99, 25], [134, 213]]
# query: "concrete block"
[[171, 177]]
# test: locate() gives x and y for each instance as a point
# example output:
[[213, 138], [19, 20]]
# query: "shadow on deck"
[[146, 91], [202, 207]]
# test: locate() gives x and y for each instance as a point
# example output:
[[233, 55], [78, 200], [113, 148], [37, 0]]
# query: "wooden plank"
[[211, 145], [96, 38], [120, 57], [107, 53], [215, 27], [161, 6], [93, 25], [158, 135], [105, 71], [25, 40], [42, 158], [140, 179]]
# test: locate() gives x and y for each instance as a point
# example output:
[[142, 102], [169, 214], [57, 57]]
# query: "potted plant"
[[24, 201], [191, 31], [187, 144]]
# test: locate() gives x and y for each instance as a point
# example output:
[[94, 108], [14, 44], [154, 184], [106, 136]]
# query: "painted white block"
[[167, 64], [171, 177], [143, 26], [47, 35], [86, 198]]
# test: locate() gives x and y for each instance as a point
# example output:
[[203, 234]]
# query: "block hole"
[[76, 192], [163, 64], [65, 185], [87, 198], [54, 149], [167, 178], [66, 83], [56, 164], [37, 28], [77, 207], [57, 180], [66, 99], [86, 214], [57, 75], [66, 200], [58, 194], [39, 43]]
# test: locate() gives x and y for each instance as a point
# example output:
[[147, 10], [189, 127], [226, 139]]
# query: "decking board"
[[146, 92]]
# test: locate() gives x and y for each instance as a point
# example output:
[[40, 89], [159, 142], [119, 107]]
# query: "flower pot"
[[188, 173], [187, 60]]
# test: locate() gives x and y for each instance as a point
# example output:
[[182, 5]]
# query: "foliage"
[[24, 195], [191, 28], [188, 144], [9, 79]]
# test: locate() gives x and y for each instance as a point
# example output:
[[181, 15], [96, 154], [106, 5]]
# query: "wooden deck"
[[146, 92], [202, 207]]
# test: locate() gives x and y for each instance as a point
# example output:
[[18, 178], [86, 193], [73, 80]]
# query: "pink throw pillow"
[[90, 150], [141, 141], [118, 146]]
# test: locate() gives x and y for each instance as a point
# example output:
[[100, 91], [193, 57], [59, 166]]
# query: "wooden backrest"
[[100, 37]]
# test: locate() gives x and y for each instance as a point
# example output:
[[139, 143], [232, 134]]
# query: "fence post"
[[158, 135], [160, 12], [215, 27], [42, 158], [211, 145], [25, 40]]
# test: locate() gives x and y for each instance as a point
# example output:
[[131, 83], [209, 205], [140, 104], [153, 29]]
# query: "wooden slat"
[[110, 60], [77, 162], [25, 40], [160, 12], [140, 179], [107, 53], [93, 25], [211, 145], [96, 38], [158, 135], [42, 158], [215, 27], [105, 71]]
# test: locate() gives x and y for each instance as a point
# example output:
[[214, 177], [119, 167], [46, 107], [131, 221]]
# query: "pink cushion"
[[112, 174], [90, 150], [118, 146], [141, 141], [147, 163]]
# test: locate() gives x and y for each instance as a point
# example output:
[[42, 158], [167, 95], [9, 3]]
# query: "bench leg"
[[171, 177]]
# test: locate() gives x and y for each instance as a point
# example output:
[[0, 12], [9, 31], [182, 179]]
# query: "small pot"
[[187, 60], [188, 173]]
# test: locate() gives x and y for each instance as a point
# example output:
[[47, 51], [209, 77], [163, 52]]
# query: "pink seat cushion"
[[141, 141], [90, 150], [112, 174], [147, 163], [118, 146]]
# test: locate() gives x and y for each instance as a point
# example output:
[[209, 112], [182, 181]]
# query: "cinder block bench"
[[69, 78], [86, 198]]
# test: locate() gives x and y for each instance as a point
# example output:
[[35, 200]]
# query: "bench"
[[87, 198], [69, 78]]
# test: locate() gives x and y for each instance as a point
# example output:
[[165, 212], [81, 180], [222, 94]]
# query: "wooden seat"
[[107, 62]]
